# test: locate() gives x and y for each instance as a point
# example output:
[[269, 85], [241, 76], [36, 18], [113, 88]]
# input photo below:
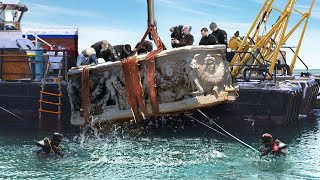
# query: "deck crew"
[[207, 38], [220, 34], [106, 51], [123, 51], [271, 146], [145, 47], [187, 39], [50, 146], [101, 49]]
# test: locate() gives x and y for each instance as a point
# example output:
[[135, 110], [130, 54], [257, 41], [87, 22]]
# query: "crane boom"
[[151, 20], [263, 50]]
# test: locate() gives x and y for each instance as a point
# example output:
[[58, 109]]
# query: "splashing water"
[[192, 153]]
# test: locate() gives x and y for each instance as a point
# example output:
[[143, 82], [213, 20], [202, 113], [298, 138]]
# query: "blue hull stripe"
[[53, 36]]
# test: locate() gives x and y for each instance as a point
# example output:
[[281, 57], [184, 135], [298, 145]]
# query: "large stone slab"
[[186, 78]]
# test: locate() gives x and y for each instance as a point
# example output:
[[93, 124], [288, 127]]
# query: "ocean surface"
[[191, 152], [312, 71], [194, 152]]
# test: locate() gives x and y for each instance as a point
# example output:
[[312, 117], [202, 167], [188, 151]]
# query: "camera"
[[176, 33]]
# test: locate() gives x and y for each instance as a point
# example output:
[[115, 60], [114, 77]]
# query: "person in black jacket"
[[105, 50], [123, 51], [220, 34], [207, 38], [187, 39], [145, 47]]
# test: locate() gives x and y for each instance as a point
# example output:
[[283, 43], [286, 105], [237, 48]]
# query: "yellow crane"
[[260, 48]]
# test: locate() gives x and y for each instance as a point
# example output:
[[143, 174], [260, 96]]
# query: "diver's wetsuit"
[[51, 146], [275, 148]]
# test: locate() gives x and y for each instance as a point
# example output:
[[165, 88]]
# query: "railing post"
[[1, 70], [39, 62], [65, 60]]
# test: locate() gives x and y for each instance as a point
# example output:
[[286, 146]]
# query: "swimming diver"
[[271, 146], [50, 146]]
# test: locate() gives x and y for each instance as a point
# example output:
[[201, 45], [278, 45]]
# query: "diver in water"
[[271, 146], [51, 146]]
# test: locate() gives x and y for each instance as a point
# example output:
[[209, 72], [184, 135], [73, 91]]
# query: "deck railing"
[[30, 65]]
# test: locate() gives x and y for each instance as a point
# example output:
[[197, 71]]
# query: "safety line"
[[207, 125], [11, 113], [252, 148]]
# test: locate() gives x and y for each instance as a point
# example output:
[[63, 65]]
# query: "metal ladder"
[[43, 92]]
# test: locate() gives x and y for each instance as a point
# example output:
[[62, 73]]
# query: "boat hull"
[[22, 99]]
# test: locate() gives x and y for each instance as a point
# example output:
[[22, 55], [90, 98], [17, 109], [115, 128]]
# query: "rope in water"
[[207, 125], [11, 113], [245, 144]]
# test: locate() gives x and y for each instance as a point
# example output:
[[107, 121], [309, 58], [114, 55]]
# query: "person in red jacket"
[[271, 146]]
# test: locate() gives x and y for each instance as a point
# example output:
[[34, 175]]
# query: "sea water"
[[163, 153]]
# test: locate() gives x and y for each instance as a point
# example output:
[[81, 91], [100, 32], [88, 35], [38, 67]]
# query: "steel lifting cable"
[[85, 94], [245, 144], [206, 125]]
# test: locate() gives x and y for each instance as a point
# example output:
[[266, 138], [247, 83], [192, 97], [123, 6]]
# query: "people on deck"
[[50, 146], [186, 40], [207, 38], [220, 34], [123, 51], [272, 146], [101, 49], [145, 47], [106, 51], [176, 34]]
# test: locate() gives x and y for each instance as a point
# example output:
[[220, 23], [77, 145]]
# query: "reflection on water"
[[191, 153]]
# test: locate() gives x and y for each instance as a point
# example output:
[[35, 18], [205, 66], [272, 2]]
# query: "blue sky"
[[125, 21]]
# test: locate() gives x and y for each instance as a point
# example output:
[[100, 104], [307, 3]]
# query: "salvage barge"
[[201, 77], [184, 81]]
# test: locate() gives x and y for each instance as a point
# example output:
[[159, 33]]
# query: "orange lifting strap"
[[150, 67], [134, 88], [85, 94], [133, 81]]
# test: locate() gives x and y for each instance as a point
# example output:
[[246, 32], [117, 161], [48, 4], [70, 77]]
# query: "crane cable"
[[245, 144]]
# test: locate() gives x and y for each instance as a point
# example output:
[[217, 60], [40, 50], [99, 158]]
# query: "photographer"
[[176, 34], [187, 39]]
